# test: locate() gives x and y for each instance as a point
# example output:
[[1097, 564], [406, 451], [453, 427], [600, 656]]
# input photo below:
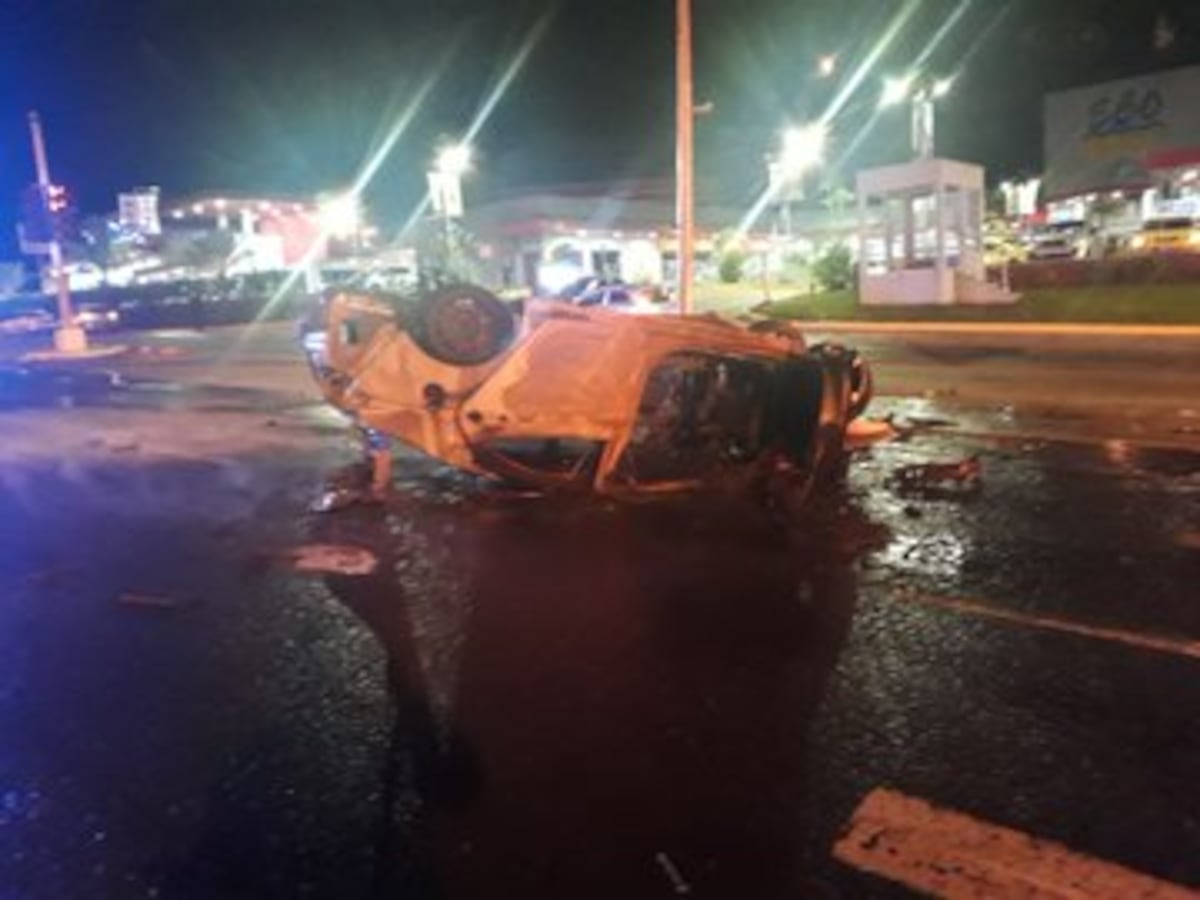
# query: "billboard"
[[1114, 136]]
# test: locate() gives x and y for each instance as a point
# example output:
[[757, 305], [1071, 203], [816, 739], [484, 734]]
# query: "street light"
[[450, 164], [340, 216], [454, 160], [923, 92], [803, 149], [896, 90]]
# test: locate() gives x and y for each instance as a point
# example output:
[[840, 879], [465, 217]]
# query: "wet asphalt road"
[[531, 698]]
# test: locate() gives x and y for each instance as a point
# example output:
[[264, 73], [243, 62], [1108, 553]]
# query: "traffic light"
[[37, 224], [56, 199], [45, 213]]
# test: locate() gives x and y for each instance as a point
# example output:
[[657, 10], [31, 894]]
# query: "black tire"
[[462, 325]]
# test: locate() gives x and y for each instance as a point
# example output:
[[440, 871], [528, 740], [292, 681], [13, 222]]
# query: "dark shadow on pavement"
[[632, 685]]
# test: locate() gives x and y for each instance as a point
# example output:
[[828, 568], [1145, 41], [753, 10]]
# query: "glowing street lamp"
[[454, 160], [340, 216], [803, 149], [896, 90], [450, 164]]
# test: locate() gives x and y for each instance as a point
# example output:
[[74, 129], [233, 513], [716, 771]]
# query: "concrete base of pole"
[[70, 339]]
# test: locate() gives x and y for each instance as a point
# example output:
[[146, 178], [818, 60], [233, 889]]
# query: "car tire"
[[462, 325]]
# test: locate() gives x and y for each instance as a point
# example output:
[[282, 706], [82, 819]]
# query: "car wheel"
[[462, 325]]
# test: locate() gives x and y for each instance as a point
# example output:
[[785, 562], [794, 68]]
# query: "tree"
[[834, 269]]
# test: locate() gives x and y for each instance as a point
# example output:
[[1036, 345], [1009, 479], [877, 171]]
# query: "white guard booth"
[[921, 235]]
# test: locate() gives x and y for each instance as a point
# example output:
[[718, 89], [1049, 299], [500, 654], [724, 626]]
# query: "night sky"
[[291, 96]]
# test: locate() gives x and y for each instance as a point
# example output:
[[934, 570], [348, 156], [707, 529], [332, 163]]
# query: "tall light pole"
[[445, 187], [923, 93], [802, 150], [68, 337], [685, 120]]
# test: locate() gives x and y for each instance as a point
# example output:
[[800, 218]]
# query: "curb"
[[39, 356], [1014, 328]]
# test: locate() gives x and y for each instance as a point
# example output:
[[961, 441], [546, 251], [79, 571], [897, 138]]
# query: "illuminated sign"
[[1116, 135]]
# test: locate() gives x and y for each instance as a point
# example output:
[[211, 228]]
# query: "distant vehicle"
[[1064, 240], [81, 276], [27, 323], [624, 298], [586, 285], [393, 279], [1176, 234], [96, 317], [1002, 251]]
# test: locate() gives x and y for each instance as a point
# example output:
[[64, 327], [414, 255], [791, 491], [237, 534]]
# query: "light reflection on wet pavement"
[[547, 698]]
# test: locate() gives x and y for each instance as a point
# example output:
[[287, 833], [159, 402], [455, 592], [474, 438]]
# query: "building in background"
[[549, 237], [137, 211], [264, 233], [1127, 150]]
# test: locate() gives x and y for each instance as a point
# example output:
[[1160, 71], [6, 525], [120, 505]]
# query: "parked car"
[[584, 397], [81, 276], [625, 298], [587, 284], [1176, 234], [1061, 241]]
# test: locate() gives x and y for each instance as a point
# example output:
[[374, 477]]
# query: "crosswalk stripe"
[[949, 854], [1159, 643]]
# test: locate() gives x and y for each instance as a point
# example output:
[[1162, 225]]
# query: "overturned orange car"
[[552, 395]]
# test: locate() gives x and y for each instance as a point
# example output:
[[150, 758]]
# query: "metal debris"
[[957, 479], [150, 601]]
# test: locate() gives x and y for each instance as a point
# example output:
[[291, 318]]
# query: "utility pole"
[[685, 120], [68, 337]]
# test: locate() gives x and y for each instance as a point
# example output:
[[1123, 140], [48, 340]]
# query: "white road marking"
[[948, 854], [1068, 329], [337, 559], [1159, 643]]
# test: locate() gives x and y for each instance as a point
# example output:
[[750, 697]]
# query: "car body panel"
[[574, 378]]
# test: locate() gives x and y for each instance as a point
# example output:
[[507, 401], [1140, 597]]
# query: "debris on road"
[[160, 351], [332, 559], [337, 499], [957, 479], [678, 883], [150, 601], [929, 422], [865, 432]]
